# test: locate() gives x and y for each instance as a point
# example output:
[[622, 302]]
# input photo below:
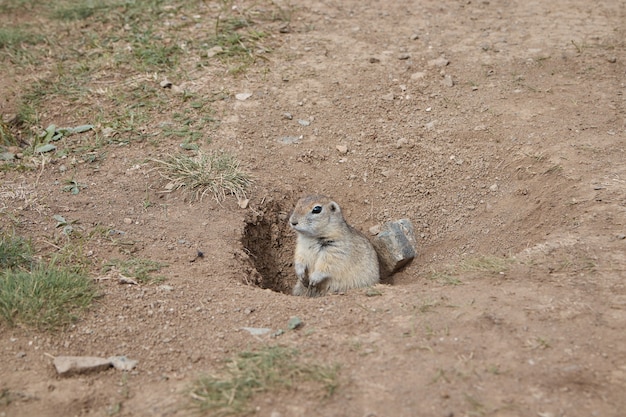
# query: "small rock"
[[374, 60], [288, 140], [480, 128], [612, 59], [439, 62], [304, 122], [122, 363], [257, 331], [288, 116], [404, 56], [294, 323], [166, 84], [414, 37], [214, 51], [395, 245], [20, 354], [418, 75], [448, 81], [374, 230], [128, 220], [243, 96], [493, 188], [70, 365], [401, 142], [388, 97], [165, 288], [243, 202], [343, 149], [126, 280], [621, 236]]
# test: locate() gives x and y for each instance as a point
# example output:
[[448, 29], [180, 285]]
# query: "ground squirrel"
[[330, 255]]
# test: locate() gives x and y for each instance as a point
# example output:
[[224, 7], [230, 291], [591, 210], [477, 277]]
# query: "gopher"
[[330, 255]]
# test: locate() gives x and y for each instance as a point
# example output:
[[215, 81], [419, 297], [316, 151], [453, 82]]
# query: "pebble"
[[418, 75], [493, 188], [388, 97], [448, 81], [288, 116], [404, 56], [166, 84], [294, 323], [343, 149], [374, 60], [243, 96], [128, 220], [374, 230], [288, 140], [401, 142], [304, 122], [439, 62], [122, 363], [214, 51], [621, 236], [414, 37], [257, 331], [243, 202]]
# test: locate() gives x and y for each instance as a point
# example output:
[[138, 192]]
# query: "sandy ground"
[[497, 127]]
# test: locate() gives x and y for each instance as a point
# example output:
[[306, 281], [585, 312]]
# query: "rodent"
[[330, 255]]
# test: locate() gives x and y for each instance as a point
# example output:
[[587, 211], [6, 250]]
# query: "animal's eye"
[[316, 210]]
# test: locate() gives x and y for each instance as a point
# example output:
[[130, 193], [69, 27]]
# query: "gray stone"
[[395, 245], [294, 323], [257, 331], [122, 363], [70, 365]]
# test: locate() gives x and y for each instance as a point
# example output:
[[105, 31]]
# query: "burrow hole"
[[268, 245]]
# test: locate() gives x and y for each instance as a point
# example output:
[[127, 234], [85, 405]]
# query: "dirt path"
[[497, 127]]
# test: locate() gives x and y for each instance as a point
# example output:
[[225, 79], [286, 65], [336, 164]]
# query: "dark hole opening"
[[268, 244]]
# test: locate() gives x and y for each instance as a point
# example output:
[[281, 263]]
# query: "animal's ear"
[[334, 207]]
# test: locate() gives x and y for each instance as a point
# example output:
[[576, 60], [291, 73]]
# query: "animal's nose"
[[293, 222]]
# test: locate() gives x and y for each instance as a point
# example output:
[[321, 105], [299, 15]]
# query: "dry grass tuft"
[[215, 174]]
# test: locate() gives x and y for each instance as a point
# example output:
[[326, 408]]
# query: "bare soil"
[[497, 127]]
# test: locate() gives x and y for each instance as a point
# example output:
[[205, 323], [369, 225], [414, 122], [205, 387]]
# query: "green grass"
[[15, 253], [45, 298], [40, 295], [215, 174], [110, 51], [141, 270], [77, 10], [11, 38], [267, 370]]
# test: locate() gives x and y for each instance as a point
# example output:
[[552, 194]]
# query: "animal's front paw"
[[300, 270], [317, 277]]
